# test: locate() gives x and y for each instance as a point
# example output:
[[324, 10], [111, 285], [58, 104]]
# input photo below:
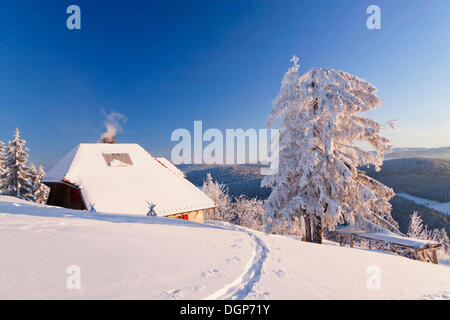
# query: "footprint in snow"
[[279, 273], [209, 273], [441, 296], [197, 288], [233, 259], [235, 246], [172, 294]]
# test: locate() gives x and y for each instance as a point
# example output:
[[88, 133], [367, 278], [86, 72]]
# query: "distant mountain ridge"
[[434, 153]]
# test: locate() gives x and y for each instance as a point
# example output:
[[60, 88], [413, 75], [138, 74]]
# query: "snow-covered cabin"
[[123, 178]]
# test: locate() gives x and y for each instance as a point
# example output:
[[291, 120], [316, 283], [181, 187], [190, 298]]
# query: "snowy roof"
[[112, 183], [169, 165]]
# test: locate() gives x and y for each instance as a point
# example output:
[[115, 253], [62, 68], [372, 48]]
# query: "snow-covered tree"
[[445, 241], [441, 237], [15, 178], [33, 176], [291, 227], [435, 235], [219, 194], [249, 212], [2, 160], [40, 191], [318, 175], [415, 228], [426, 234]]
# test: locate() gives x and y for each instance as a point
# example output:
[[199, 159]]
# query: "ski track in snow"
[[243, 285]]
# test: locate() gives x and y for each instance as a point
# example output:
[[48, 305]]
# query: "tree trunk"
[[317, 229], [308, 233]]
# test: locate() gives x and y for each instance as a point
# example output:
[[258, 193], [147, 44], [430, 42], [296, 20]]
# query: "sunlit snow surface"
[[137, 257]]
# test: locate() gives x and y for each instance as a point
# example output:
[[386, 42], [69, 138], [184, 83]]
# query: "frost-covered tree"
[[415, 228], [435, 235], [426, 234], [2, 160], [249, 212], [40, 191], [441, 237], [318, 175], [445, 241], [291, 227], [219, 194], [15, 178], [34, 179]]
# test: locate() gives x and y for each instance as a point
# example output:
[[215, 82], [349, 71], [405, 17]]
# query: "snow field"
[[162, 260], [135, 257]]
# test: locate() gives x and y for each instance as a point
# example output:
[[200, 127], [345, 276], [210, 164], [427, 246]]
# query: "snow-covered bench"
[[422, 250]]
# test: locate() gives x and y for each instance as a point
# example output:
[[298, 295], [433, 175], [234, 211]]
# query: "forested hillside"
[[420, 177], [424, 178]]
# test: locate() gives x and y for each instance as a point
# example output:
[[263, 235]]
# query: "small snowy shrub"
[[442, 237], [241, 211], [246, 212], [415, 228], [2, 160], [40, 191], [418, 231], [249, 212], [445, 241], [218, 194], [295, 227]]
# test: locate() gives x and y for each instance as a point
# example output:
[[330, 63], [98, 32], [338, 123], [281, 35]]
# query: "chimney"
[[109, 139]]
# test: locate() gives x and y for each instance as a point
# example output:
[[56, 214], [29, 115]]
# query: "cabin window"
[[118, 159]]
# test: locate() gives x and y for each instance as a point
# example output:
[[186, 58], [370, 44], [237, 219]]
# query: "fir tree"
[[415, 228], [16, 178], [2, 160], [445, 241], [40, 191], [318, 175]]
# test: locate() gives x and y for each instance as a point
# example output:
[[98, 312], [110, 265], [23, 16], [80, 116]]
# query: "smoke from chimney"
[[113, 126]]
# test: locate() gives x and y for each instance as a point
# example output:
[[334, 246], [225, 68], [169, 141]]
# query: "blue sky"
[[164, 64]]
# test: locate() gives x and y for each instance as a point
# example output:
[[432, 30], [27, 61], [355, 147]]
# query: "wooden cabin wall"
[[63, 195], [196, 216]]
